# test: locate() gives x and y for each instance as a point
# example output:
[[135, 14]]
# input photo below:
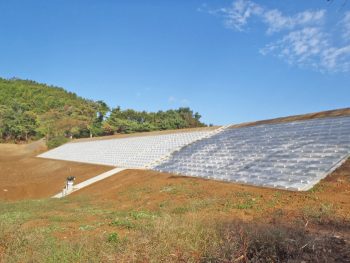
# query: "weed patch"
[[123, 223], [320, 214], [136, 215], [113, 238]]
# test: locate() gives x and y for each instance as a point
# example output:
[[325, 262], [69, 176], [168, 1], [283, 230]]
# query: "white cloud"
[[300, 39], [237, 15], [346, 26], [300, 46], [276, 21], [310, 47], [337, 59]]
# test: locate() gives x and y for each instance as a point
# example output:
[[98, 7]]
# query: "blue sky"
[[232, 61]]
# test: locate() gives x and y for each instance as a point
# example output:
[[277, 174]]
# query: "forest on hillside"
[[31, 110]]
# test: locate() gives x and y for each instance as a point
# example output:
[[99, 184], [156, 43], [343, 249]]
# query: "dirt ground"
[[316, 115], [23, 176], [323, 212], [154, 188]]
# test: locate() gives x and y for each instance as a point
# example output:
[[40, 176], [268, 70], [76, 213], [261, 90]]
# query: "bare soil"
[[154, 187], [309, 116], [24, 176]]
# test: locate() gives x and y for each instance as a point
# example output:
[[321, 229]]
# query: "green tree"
[[32, 110]]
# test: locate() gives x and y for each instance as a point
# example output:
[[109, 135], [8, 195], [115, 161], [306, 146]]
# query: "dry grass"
[[155, 218], [80, 230]]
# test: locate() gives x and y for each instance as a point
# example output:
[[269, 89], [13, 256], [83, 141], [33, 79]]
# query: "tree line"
[[31, 110]]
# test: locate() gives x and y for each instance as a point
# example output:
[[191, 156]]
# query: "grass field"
[[179, 220]]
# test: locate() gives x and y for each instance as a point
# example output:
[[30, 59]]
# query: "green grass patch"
[[14, 216], [317, 188], [143, 215], [123, 223], [180, 210], [174, 189], [56, 141], [113, 238], [86, 227], [320, 213], [248, 204]]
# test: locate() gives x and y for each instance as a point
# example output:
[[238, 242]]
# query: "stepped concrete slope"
[[292, 156], [131, 152]]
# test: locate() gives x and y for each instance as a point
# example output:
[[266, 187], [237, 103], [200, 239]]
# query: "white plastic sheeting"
[[293, 156], [130, 152]]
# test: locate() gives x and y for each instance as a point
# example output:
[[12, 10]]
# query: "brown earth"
[[23, 176], [309, 116], [322, 213], [138, 188]]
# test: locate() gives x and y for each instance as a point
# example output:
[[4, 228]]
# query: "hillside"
[[31, 110], [135, 215], [39, 98], [308, 116], [142, 211]]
